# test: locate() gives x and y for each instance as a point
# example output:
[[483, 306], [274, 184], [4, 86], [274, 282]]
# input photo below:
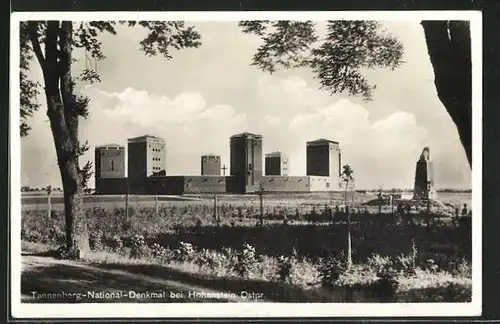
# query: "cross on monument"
[[224, 168]]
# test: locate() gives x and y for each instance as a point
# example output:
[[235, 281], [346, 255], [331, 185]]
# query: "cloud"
[[383, 151], [197, 108], [271, 121], [190, 126]]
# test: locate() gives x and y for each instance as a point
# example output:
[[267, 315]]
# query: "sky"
[[201, 97]]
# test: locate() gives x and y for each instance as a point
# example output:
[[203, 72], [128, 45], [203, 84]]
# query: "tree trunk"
[[56, 67], [449, 48]]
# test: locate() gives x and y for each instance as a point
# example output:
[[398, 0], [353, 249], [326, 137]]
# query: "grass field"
[[301, 241], [34, 201]]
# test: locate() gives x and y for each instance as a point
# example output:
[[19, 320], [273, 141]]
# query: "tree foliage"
[[338, 60], [351, 47], [53, 43], [347, 173], [28, 88], [161, 38]]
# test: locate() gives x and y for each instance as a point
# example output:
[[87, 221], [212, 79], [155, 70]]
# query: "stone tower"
[[109, 161], [276, 163], [424, 188], [109, 168], [246, 162], [146, 158], [210, 165], [323, 158]]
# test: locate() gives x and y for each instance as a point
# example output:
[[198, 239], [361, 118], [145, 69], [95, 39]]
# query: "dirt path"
[[73, 281]]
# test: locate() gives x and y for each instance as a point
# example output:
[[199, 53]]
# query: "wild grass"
[[359, 282], [426, 260]]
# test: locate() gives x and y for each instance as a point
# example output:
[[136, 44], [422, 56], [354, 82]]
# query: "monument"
[[424, 178]]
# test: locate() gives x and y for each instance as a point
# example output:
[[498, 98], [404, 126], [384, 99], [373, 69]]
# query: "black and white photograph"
[[289, 163]]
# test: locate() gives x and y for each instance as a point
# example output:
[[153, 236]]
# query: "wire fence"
[[261, 207]]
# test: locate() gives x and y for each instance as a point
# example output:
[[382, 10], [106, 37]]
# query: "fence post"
[[261, 192], [49, 202], [156, 204], [380, 204], [215, 210], [126, 207]]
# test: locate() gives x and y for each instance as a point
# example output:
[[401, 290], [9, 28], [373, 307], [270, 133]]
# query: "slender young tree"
[[347, 177], [260, 192], [350, 47], [49, 201], [52, 44]]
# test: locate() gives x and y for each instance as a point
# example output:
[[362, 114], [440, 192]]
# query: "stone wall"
[[204, 184], [168, 185], [178, 185], [318, 183], [111, 186], [286, 184]]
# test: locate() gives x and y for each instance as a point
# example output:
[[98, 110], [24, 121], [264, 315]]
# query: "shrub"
[[184, 253], [378, 263], [286, 266], [160, 252], [405, 264], [330, 269], [31, 235], [56, 235], [431, 266], [63, 252], [245, 260], [463, 269], [139, 248], [116, 243], [95, 240], [212, 259]]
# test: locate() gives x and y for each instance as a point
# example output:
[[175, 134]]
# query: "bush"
[[184, 253], [431, 266], [56, 235], [287, 266], [405, 264], [139, 248], [63, 252], [463, 269], [377, 263], [95, 240], [330, 269], [445, 246], [31, 235], [245, 260], [161, 253], [212, 259], [116, 243]]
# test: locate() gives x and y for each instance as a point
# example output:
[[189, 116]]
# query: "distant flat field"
[[39, 201]]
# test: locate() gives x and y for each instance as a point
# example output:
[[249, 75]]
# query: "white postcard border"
[[251, 309]]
